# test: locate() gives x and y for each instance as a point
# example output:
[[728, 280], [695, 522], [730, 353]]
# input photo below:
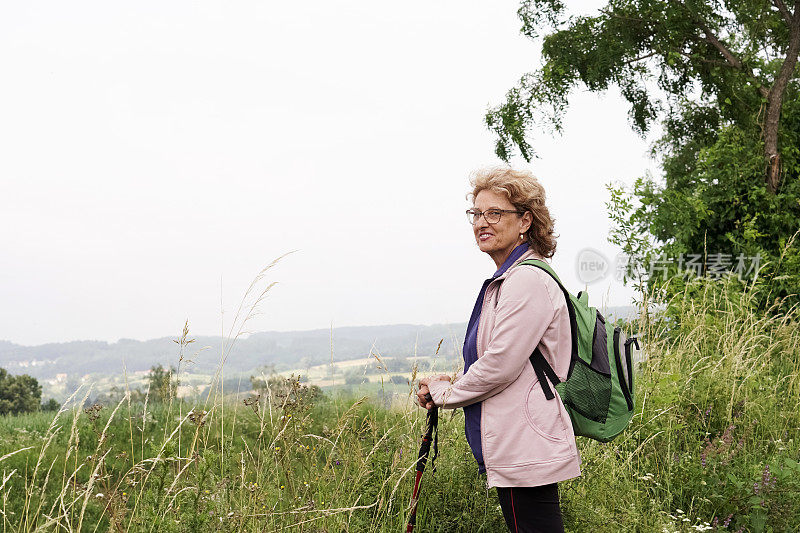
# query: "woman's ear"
[[527, 221]]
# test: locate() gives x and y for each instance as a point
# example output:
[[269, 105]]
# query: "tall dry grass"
[[714, 445]]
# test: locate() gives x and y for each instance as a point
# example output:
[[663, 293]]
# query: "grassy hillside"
[[713, 446]]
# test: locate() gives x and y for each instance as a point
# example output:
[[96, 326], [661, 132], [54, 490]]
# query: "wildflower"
[[281, 487], [727, 521], [100, 495], [767, 479], [727, 438]]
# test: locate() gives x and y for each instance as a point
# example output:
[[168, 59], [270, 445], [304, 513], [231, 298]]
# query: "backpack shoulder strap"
[[573, 321], [544, 266]]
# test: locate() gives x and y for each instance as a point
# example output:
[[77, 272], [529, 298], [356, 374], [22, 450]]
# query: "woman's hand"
[[423, 389]]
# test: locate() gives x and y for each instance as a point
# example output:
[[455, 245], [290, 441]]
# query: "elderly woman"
[[524, 443]]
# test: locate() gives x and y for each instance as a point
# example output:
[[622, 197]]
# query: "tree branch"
[[627, 18], [732, 60], [635, 59], [787, 15], [715, 62]]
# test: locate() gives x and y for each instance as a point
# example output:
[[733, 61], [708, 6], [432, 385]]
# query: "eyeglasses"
[[492, 216]]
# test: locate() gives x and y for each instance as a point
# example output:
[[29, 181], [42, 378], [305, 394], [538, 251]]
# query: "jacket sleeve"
[[524, 311]]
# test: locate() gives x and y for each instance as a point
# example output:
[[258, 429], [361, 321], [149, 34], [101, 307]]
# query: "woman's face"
[[499, 239]]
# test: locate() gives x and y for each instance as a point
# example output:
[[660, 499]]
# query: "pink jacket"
[[526, 439]]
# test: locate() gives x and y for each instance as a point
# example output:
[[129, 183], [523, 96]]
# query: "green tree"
[[51, 405], [723, 80], [697, 62], [18, 394], [163, 383]]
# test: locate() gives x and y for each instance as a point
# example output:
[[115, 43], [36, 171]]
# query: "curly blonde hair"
[[525, 192]]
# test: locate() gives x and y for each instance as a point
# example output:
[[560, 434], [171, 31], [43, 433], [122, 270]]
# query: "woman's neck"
[[501, 256]]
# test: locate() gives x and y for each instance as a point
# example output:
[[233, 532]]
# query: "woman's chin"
[[485, 247]]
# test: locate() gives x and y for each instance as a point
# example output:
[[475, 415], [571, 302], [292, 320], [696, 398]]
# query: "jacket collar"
[[530, 254]]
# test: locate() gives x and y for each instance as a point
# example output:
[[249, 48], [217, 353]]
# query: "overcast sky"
[[154, 156]]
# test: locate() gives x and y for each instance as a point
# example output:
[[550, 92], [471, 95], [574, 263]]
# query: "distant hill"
[[283, 349]]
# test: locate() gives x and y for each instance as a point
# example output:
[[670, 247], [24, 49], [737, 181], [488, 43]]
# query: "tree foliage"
[[18, 394], [162, 383], [711, 205], [722, 79], [720, 63]]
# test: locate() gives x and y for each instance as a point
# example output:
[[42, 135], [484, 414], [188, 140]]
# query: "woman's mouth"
[[484, 236]]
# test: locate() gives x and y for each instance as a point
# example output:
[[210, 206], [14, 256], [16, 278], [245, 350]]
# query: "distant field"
[[359, 371]]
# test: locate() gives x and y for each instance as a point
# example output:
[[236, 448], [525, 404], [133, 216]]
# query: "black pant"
[[531, 509]]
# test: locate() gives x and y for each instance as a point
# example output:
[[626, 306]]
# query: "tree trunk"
[[775, 102]]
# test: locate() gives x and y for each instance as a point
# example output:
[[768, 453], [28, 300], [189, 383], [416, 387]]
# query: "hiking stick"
[[432, 421]]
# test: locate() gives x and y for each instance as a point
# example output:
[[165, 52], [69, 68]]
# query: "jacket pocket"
[[544, 415]]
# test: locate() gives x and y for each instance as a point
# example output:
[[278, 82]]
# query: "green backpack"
[[598, 392]]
